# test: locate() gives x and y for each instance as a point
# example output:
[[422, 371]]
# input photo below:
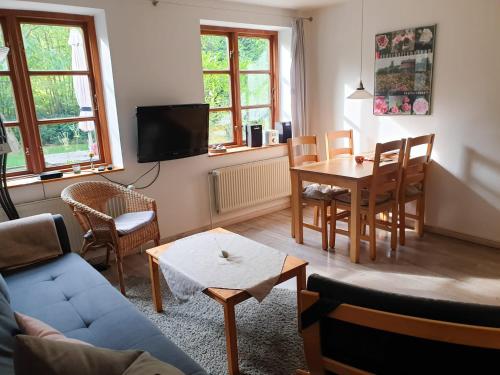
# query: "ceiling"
[[289, 4]]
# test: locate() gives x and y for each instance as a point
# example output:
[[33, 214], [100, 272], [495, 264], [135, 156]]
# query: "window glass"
[[215, 52], [69, 143], [254, 53], [255, 89], [7, 101], [217, 90], [220, 128], [61, 96], [54, 48], [3, 65], [16, 159], [257, 116]]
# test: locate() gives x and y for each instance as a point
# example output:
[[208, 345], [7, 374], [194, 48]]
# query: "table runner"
[[193, 264]]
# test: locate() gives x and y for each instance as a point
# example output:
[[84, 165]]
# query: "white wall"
[[155, 54], [464, 181]]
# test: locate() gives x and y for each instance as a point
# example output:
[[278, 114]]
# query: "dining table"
[[342, 171]]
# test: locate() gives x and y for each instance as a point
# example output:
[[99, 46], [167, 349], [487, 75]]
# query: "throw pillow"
[[34, 327], [34, 355]]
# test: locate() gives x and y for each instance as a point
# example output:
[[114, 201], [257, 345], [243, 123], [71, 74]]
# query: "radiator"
[[250, 184]]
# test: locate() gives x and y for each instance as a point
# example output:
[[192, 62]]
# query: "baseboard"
[[462, 236], [234, 220]]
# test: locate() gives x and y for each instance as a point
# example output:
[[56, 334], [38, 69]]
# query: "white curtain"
[[298, 80]]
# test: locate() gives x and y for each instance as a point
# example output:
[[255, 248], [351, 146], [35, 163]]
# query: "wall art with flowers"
[[404, 61]]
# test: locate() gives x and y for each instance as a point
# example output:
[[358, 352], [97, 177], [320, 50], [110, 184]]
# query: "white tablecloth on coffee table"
[[192, 264]]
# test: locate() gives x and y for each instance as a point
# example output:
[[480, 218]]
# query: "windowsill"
[[34, 180], [235, 150]]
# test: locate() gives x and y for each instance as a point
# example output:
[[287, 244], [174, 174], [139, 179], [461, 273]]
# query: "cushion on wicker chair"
[[413, 190], [365, 195], [322, 192], [131, 221]]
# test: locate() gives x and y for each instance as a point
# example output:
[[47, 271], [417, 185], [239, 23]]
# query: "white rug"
[[268, 340]]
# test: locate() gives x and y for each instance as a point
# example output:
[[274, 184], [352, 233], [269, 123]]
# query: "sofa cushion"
[[34, 327], [72, 297], [365, 197], [322, 192], [35, 355], [384, 352], [131, 221], [8, 328]]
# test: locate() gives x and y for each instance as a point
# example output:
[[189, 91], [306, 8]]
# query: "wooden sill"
[[235, 150], [34, 180]]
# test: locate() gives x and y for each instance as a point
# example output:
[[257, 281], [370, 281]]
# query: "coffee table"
[[228, 298]]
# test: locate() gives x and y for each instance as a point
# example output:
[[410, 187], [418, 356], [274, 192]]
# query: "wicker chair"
[[123, 234]]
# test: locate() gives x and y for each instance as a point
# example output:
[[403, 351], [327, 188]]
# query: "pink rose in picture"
[[406, 99], [380, 106], [406, 107], [421, 106], [382, 41], [394, 109]]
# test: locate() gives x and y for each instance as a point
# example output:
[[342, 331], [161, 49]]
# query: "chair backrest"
[[415, 167], [387, 169], [370, 331], [308, 154], [93, 194], [333, 138]]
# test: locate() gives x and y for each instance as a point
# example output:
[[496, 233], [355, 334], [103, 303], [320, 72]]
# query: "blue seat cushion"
[[71, 296], [131, 221]]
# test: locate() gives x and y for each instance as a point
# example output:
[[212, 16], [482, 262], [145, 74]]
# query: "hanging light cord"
[[362, 32]]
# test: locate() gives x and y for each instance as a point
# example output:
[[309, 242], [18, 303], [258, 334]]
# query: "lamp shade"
[[360, 93], [4, 51]]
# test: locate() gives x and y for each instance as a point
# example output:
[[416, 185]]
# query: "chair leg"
[[316, 215], [402, 223], [363, 226], [421, 215], [324, 225], [373, 242], [394, 226], [119, 266], [333, 223]]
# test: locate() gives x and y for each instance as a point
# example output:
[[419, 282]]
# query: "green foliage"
[[253, 53], [214, 52], [47, 49]]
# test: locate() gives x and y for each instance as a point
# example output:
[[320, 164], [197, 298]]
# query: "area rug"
[[268, 340]]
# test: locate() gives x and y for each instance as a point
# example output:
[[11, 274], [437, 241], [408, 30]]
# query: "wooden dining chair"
[[332, 139], [315, 195], [380, 197], [413, 183]]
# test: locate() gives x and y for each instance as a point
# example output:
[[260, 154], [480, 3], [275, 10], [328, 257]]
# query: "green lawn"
[[16, 161]]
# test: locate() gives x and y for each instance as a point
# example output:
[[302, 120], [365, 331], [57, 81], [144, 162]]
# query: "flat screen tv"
[[172, 132]]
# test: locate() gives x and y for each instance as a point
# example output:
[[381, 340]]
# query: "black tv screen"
[[172, 132]]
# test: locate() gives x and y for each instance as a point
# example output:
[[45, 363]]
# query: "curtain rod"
[[173, 2]]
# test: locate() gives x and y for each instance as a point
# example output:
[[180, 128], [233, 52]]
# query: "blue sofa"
[[70, 295]]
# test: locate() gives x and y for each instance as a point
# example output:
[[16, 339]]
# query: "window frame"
[[234, 71], [27, 120]]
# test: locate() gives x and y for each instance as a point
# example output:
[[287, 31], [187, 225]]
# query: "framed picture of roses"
[[404, 62]]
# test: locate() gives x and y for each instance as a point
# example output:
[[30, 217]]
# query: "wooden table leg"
[[355, 223], [301, 285], [154, 275], [231, 339], [297, 220]]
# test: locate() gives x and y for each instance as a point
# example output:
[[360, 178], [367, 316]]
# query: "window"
[[240, 80], [50, 92]]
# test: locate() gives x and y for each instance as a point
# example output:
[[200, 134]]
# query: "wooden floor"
[[434, 266]]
